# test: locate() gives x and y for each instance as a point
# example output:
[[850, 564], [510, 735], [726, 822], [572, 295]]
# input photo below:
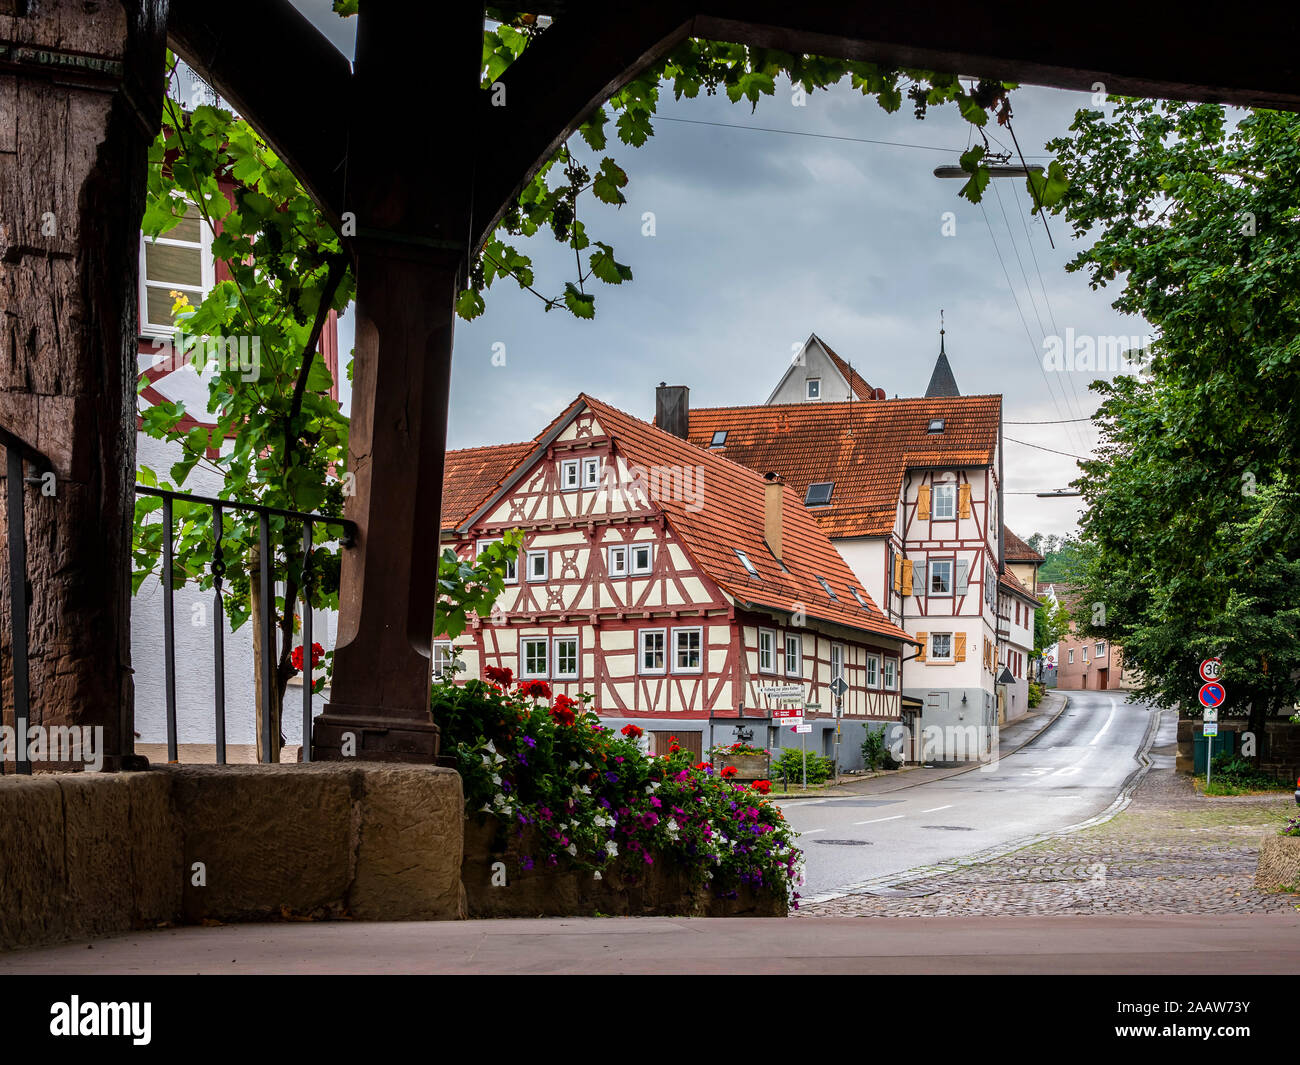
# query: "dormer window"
[[935, 426], [744, 559], [813, 388], [819, 494], [719, 438]]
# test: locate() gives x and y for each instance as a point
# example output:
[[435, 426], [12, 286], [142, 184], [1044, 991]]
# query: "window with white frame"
[[569, 475], [512, 567], [1085, 652], [837, 661], [565, 660], [537, 565], [873, 671], [1101, 648], [940, 576], [650, 651], [744, 561], [813, 388], [1071, 656], [945, 502], [590, 472], [442, 657], [793, 655], [688, 649], [532, 658], [941, 646], [618, 561], [642, 558], [890, 674], [178, 261], [766, 651]]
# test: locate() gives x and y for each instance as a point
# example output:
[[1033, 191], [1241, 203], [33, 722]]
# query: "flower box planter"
[[1279, 864], [629, 888], [748, 766]]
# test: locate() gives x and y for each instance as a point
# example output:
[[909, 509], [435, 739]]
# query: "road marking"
[[810, 831], [936, 809], [1113, 708], [878, 820]]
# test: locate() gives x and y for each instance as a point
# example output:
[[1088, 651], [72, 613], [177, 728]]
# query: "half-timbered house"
[[679, 588]]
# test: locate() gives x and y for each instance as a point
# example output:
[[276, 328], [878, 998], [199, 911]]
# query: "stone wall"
[[1281, 746], [89, 854], [630, 889]]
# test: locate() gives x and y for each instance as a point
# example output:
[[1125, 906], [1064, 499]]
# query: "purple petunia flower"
[[530, 741], [525, 862], [612, 777]]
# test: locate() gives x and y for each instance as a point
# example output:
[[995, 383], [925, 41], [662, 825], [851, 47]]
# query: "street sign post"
[[1212, 693], [1211, 669], [1211, 696]]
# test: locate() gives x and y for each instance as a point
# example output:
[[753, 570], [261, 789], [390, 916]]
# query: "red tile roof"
[[730, 518], [864, 448], [1013, 584], [1015, 549], [860, 387], [473, 474]]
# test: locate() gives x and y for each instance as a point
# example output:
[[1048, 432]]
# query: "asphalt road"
[[1072, 771]]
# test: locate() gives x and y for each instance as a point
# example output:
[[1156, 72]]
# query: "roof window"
[[818, 495], [719, 438], [935, 426], [744, 558]]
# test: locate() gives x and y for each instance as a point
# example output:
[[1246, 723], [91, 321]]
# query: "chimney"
[[673, 408], [772, 493]]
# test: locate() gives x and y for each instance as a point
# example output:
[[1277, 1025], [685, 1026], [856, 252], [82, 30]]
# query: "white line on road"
[[936, 809], [878, 820], [1109, 719], [810, 831]]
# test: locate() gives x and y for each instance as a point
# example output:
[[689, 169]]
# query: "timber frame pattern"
[[85, 76]]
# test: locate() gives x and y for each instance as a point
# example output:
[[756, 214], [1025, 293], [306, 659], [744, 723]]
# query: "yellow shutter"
[[963, 501], [925, 642], [959, 647], [907, 576], [923, 502], [898, 573]]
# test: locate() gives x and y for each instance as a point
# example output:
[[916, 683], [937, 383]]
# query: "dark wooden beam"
[[282, 75]]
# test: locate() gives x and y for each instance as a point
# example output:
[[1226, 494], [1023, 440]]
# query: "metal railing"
[[266, 595]]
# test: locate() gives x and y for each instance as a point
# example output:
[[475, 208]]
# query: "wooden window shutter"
[[963, 501], [907, 576], [923, 502], [959, 647], [925, 642], [918, 579], [898, 573], [963, 568]]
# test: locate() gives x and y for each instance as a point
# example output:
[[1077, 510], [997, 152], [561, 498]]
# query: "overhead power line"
[[1026, 443]]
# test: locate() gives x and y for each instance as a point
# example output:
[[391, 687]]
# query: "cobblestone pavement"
[[1170, 851]]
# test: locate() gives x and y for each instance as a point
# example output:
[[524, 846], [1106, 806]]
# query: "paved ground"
[[1172, 851], [1073, 770]]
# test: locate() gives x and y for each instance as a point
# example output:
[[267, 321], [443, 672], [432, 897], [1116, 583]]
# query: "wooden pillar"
[[80, 102], [409, 199]]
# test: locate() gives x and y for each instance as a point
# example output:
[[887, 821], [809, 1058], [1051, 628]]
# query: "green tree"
[[1051, 624]]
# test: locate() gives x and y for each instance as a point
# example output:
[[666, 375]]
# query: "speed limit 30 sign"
[[1211, 669]]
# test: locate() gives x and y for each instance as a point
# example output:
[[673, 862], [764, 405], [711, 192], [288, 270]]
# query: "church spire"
[[942, 382]]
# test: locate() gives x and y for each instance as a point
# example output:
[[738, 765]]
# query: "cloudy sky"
[[791, 220]]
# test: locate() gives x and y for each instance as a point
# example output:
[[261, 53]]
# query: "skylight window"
[[858, 596], [818, 495], [827, 589], [935, 426], [719, 438], [744, 558]]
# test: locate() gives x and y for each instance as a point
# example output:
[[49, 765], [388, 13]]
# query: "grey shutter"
[[962, 566], [918, 578]]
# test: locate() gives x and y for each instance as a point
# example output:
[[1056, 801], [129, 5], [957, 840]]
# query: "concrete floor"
[[1181, 945]]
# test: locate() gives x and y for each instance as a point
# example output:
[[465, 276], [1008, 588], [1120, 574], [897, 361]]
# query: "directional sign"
[[1212, 693], [1211, 669], [782, 691], [812, 706], [1210, 714], [787, 715], [838, 686], [803, 728], [1210, 728]]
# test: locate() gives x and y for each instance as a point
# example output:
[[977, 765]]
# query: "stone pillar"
[[80, 102]]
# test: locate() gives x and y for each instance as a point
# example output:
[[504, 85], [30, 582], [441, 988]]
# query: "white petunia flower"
[[596, 875], [572, 848], [611, 848]]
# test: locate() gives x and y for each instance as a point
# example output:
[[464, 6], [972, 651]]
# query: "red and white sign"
[[801, 727], [790, 714], [1212, 694], [1211, 669]]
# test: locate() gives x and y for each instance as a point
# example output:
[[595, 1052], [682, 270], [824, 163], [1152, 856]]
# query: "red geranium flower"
[[497, 675], [701, 765], [632, 732], [538, 689], [673, 745], [762, 786], [728, 770], [296, 658]]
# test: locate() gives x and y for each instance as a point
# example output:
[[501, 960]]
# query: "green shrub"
[[1035, 693], [791, 764], [873, 748], [1234, 771]]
